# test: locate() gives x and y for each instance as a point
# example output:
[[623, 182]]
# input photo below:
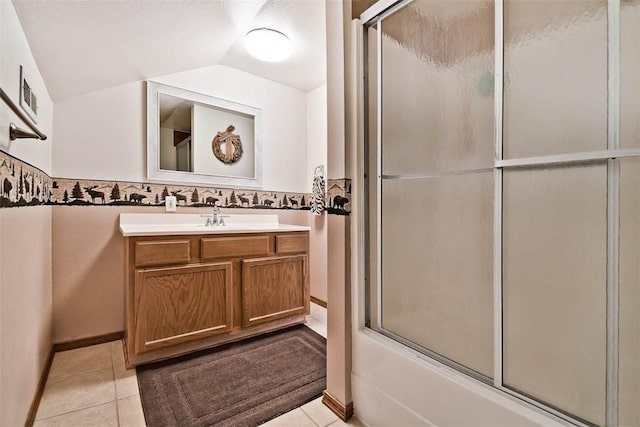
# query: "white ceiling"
[[83, 46]]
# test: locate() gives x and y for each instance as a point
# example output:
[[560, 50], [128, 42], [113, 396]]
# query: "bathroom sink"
[[132, 224]]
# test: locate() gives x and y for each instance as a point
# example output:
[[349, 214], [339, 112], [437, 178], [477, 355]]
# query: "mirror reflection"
[[176, 153]]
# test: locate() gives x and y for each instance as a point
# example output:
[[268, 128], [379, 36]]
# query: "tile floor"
[[91, 387]]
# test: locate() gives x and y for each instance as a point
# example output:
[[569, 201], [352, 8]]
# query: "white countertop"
[[132, 224]]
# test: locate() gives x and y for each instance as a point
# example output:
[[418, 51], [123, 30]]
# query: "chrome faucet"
[[216, 216], [216, 219]]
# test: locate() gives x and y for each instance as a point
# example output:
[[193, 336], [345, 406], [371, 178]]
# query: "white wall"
[[25, 239], [167, 149], [207, 122], [15, 52], [103, 133], [316, 132]]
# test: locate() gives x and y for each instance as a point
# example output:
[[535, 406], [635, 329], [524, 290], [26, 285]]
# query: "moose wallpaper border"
[[22, 183], [26, 185]]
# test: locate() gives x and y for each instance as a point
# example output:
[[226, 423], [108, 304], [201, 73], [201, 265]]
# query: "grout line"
[[308, 416], [78, 410], [66, 377], [115, 382]]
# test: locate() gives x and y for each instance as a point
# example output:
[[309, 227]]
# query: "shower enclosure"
[[502, 195]]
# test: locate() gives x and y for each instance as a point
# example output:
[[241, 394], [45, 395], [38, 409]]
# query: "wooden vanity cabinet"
[[271, 289], [179, 304], [186, 293]]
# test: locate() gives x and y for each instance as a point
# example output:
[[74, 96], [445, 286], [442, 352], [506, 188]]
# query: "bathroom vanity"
[[191, 286]]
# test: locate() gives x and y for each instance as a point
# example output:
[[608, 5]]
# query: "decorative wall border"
[[338, 199], [74, 192], [25, 185], [22, 184]]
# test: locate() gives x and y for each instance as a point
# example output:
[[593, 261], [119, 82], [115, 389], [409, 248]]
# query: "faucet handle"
[[221, 220]]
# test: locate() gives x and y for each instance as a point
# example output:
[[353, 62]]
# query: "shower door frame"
[[372, 245]]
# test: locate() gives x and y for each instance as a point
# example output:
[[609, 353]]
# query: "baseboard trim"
[[33, 409], [343, 412], [86, 342], [319, 301]]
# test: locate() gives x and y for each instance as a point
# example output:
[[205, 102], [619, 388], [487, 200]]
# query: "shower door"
[[502, 147]]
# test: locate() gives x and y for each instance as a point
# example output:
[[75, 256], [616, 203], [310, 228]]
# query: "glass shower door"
[[503, 217], [436, 157]]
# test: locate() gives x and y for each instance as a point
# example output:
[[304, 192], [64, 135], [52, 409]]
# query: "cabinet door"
[[274, 288], [179, 304]]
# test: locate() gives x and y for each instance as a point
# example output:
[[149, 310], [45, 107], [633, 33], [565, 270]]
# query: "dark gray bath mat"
[[240, 384]]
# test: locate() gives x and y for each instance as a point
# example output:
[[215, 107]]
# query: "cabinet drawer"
[[227, 247], [291, 243], [159, 252]]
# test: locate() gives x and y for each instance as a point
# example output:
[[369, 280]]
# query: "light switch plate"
[[170, 204]]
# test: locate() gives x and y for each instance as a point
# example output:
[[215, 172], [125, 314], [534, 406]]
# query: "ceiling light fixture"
[[268, 45]]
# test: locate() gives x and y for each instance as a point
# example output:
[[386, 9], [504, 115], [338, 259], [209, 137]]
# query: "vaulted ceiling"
[[83, 46]]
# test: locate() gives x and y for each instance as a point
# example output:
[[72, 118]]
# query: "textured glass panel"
[[437, 265], [437, 86], [555, 65], [629, 317], [554, 286], [629, 74]]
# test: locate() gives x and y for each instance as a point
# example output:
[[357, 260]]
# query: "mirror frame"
[[155, 174]]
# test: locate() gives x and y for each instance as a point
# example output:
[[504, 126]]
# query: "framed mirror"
[[200, 139]]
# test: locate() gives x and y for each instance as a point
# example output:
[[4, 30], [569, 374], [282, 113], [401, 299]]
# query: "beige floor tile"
[[126, 383], [316, 326], [98, 416], [117, 353], [80, 361], [77, 392], [319, 413], [130, 412], [319, 313], [84, 384], [295, 418], [126, 380], [354, 422]]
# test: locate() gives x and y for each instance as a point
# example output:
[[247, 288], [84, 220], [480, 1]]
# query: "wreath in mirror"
[[232, 146]]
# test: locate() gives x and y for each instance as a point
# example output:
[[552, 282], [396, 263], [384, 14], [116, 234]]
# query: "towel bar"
[[14, 131]]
